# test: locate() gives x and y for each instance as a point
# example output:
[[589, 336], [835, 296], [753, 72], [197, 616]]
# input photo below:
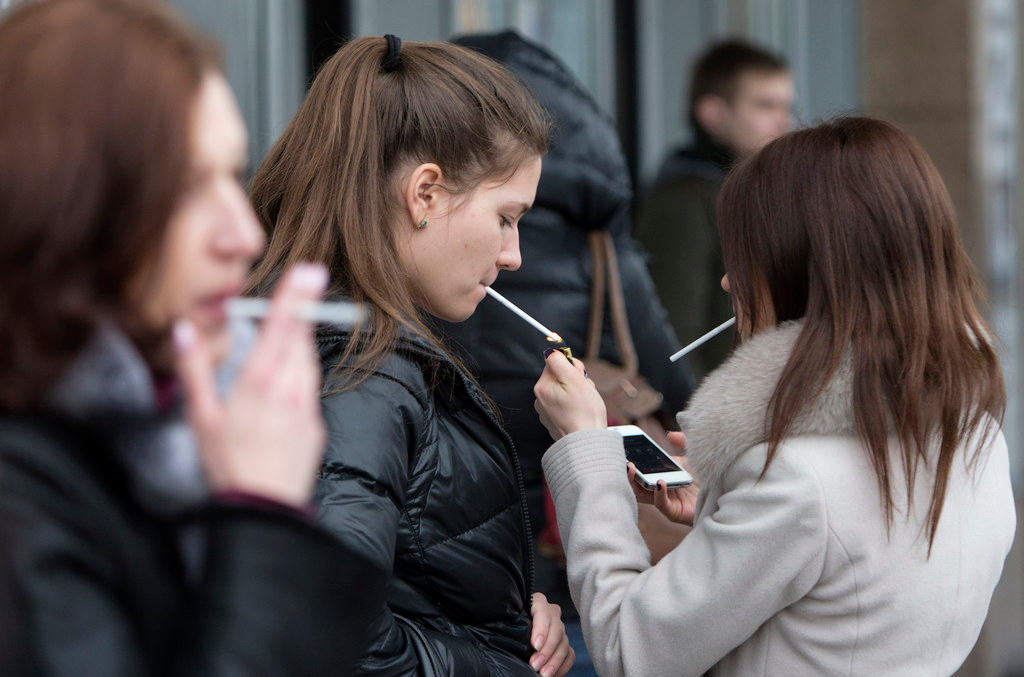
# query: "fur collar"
[[726, 415]]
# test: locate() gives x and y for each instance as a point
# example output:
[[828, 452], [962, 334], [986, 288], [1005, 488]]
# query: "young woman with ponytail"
[[405, 172]]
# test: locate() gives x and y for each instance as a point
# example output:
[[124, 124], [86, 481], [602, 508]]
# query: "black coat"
[[114, 572], [584, 186], [421, 478]]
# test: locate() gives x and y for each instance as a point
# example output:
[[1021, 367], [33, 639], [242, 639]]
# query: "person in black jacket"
[[406, 171], [584, 186], [134, 543]]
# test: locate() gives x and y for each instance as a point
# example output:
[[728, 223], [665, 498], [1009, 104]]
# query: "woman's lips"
[[213, 309]]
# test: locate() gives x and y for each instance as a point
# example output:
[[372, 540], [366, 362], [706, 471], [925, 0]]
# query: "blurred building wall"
[[264, 48], [578, 31]]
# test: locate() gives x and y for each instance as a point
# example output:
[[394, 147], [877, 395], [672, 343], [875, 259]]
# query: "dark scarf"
[[704, 157], [110, 390]]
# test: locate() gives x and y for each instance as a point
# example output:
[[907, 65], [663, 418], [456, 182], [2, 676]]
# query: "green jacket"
[[677, 225]]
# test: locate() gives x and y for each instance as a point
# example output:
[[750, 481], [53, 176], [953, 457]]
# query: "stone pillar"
[[916, 72]]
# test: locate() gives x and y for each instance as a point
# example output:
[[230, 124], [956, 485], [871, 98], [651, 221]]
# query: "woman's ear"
[[423, 192]]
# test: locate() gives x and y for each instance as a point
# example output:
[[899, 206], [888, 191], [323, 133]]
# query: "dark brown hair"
[[95, 120], [328, 190], [719, 68], [849, 226]]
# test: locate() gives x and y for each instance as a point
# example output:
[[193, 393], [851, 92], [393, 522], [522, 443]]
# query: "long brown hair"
[[94, 148], [848, 225], [328, 190]]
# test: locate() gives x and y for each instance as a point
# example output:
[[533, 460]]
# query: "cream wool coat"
[[790, 575]]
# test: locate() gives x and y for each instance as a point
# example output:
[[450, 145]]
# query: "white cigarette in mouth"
[[343, 314], [551, 336], [703, 339]]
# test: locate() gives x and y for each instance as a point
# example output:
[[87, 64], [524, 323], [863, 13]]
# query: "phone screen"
[[647, 458]]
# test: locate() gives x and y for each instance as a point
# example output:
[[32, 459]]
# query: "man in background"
[[741, 97]]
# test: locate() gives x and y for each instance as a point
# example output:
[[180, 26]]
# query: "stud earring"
[[422, 224]]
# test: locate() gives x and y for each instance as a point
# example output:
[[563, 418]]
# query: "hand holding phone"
[[676, 504], [653, 464]]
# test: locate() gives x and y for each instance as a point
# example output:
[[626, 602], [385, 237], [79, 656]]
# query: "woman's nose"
[[509, 257], [240, 233]]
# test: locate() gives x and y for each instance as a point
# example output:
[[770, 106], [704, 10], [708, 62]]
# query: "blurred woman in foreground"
[[855, 506], [134, 544]]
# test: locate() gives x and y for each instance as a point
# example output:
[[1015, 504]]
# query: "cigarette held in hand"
[[703, 339], [341, 313]]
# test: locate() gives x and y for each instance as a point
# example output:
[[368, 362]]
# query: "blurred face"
[[467, 241], [761, 110], [213, 235]]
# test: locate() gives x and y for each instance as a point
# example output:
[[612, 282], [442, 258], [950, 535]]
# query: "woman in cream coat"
[[855, 506]]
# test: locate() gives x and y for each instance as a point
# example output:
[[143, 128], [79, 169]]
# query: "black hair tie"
[[390, 62]]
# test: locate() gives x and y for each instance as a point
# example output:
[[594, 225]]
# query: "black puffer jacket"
[[422, 479], [118, 564], [584, 186]]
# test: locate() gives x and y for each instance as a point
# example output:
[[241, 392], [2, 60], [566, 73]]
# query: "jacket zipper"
[[471, 389], [520, 486]]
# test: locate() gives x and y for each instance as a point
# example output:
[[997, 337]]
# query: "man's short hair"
[[719, 68]]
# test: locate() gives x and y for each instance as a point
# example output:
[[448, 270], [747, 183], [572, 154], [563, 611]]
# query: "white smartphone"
[[653, 465]]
